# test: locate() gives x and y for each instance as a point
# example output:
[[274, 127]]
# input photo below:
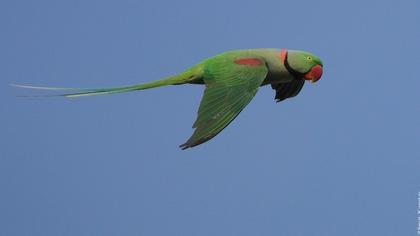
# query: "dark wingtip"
[[280, 100], [184, 146]]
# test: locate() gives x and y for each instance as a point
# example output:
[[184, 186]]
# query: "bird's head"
[[303, 64]]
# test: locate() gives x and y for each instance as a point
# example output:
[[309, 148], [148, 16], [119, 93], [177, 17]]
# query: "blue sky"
[[341, 158]]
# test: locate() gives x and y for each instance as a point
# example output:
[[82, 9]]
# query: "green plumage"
[[231, 81]]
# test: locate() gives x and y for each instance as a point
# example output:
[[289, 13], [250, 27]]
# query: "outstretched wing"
[[287, 90], [230, 86]]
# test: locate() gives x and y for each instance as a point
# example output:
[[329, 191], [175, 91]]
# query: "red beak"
[[314, 74]]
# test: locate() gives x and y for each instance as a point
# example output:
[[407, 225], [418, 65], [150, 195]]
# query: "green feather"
[[185, 77], [229, 88]]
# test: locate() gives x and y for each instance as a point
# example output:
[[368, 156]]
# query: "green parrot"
[[231, 80]]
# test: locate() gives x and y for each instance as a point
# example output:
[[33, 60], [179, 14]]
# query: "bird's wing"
[[287, 90], [230, 86]]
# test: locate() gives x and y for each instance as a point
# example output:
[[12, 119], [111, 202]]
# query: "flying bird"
[[231, 80]]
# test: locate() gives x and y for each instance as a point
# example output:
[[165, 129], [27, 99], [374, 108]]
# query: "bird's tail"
[[186, 77]]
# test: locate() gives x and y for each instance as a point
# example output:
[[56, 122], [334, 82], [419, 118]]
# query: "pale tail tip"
[[33, 87]]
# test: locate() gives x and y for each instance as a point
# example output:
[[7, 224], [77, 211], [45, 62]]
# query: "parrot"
[[231, 80]]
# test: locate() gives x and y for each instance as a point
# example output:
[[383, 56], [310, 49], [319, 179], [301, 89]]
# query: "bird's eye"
[[309, 58]]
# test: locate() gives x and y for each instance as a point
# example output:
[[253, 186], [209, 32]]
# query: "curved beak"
[[314, 74]]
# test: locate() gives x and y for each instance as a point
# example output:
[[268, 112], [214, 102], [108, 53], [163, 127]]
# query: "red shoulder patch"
[[249, 61], [283, 55]]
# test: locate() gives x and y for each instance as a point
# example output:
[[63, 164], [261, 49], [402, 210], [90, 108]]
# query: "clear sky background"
[[342, 158]]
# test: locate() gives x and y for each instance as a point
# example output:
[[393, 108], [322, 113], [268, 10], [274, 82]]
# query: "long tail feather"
[[78, 92], [185, 77], [101, 91], [82, 92]]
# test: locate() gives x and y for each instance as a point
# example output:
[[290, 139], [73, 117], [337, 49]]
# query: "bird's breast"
[[277, 72]]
